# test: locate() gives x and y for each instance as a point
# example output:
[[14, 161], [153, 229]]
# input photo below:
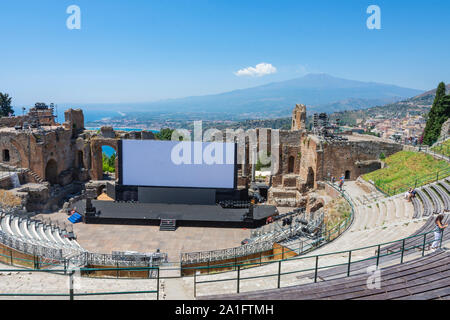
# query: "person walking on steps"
[[438, 231]]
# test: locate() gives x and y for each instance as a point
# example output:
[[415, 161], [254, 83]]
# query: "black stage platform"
[[110, 212]]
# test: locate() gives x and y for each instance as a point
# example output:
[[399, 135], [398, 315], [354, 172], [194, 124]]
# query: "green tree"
[[108, 163], [164, 134], [112, 162], [5, 105], [438, 114]]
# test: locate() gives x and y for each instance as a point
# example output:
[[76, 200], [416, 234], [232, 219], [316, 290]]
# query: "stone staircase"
[[168, 225], [34, 176]]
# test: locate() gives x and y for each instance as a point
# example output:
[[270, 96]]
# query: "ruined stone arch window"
[[310, 178], [5, 155], [51, 171], [291, 164], [347, 175]]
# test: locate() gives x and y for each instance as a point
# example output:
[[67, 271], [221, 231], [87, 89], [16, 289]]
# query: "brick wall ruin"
[[299, 117]]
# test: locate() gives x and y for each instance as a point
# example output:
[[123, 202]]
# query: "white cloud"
[[259, 70]]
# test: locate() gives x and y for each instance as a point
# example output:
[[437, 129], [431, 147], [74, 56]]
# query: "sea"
[[108, 150]]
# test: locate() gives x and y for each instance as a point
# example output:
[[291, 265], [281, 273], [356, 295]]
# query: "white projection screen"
[[154, 163]]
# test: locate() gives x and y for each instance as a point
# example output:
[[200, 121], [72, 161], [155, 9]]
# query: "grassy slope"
[[337, 211], [443, 148], [404, 169]]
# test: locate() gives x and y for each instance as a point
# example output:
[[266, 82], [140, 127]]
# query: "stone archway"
[[96, 157], [17, 155], [51, 171], [347, 175], [109, 164]]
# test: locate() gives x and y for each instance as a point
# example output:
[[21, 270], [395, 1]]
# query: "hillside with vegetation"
[[417, 105], [407, 169]]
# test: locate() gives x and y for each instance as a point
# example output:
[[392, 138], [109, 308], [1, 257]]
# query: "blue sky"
[[138, 51]]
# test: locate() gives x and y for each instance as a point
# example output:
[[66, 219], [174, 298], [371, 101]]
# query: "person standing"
[[341, 182], [438, 231]]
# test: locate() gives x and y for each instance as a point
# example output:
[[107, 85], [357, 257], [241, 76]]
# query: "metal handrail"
[[70, 273], [378, 255]]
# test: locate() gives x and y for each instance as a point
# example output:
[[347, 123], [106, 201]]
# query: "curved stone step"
[[435, 199], [34, 231], [408, 208], [58, 238], [6, 225], [49, 234], [445, 184], [443, 194], [418, 207], [372, 216], [361, 213], [426, 203], [381, 214], [25, 231], [398, 209], [15, 227], [42, 234], [390, 211]]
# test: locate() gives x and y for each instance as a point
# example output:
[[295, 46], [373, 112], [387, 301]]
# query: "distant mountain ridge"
[[320, 92], [431, 93]]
